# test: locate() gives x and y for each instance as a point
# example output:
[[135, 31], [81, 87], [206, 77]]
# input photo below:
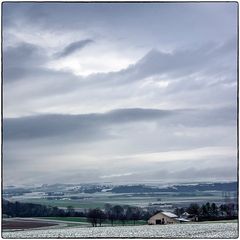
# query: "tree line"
[[94, 216], [19, 209], [117, 213], [209, 211]]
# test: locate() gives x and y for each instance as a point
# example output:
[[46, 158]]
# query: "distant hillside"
[[231, 186]]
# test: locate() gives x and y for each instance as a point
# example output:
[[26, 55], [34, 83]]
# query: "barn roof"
[[169, 214]]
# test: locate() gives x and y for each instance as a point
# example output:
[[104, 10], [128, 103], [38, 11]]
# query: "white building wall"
[[160, 216]]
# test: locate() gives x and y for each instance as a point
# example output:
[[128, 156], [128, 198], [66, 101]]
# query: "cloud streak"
[[73, 47], [87, 126]]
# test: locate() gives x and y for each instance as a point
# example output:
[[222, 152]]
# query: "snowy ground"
[[213, 230]]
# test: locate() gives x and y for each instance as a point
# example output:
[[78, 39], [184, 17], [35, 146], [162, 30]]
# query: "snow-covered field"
[[213, 230]]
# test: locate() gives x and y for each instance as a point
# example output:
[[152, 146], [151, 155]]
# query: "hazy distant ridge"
[[231, 186]]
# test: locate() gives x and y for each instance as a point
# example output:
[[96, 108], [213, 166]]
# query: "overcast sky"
[[119, 92]]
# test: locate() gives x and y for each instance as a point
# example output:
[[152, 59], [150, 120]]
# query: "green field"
[[98, 200], [85, 221], [64, 203], [70, 219]]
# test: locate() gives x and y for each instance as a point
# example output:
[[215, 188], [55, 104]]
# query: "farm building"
[[166, 218], [163, 218]]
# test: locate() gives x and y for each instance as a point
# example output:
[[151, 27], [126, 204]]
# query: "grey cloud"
[[189, 174], [25, 62], [23, 54], [226, 172], [73, 47], [192, 84], [118, 19], [19, 60], [180, 63], [94, 126], [224, 116], [85, 125], [40, 176], [175, 171], [167, 176]]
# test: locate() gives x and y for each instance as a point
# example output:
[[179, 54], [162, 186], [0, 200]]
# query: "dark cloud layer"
[[92, 125], [161, 22], [86, 125]]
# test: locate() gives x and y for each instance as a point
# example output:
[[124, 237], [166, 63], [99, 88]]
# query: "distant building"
[[189, 217], [163, 218], [185, 215]]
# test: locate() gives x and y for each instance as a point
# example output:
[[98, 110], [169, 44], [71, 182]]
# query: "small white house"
[[185, 215], [188, 217]]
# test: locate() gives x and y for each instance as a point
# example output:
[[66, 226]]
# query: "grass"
[[70, 219], [84, 220], [99, 200], [65, 203], [119, 223]]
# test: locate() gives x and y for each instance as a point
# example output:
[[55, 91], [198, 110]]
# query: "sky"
[[119, 92]]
